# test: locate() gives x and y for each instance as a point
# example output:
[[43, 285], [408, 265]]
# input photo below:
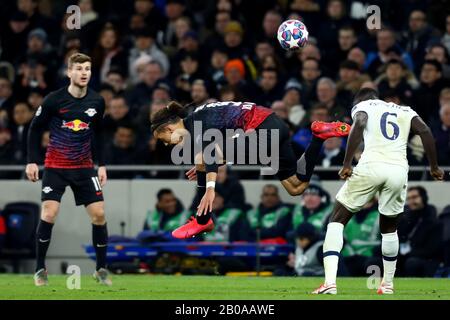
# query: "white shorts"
[[391, 181]]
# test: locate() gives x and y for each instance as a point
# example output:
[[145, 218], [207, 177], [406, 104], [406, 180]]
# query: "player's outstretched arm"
[[354, 140], [418, 126]]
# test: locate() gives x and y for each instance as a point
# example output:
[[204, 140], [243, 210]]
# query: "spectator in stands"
[[350, 80], [314, 207], [301, 138], [235, 76], [308, 257], [216, 68], [142, 92], [168, 213], [174, 9], [416, 39], [386, 50], [346, 41], [6, 98], [336, 18], [441, 132], [281, 110], [14, 33], [446, 37], [362, 239], [233, 37], [292, 100], [395, 81], [230, 222], [357, 55], [88, 13], [190, 71], [263, 49], [215, 39], [426, 97], [108, 53], [150, 13], [272, 217], [269, 88], [420, 235], [38, 65], [118, 113], [23, 114], [310, 73], [117, 80], [123, 150], [327, 95], [6, 151], [144, 45], [333, 154], [440, 53], [199, 92], [35, 98]]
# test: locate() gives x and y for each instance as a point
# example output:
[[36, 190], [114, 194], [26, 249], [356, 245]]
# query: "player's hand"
[[32, 171], [102, 177], [345, 172], [206, 203], [437, 173], [192, 174]]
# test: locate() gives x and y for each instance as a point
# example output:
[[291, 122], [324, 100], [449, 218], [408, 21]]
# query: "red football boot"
[[325, 130], [192, 228]]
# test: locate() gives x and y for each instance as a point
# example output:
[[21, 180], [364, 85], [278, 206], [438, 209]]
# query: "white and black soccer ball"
[[292, 35]]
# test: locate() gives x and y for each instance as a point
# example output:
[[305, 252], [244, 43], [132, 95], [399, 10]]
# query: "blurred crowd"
[[148, 52], [423, 231]]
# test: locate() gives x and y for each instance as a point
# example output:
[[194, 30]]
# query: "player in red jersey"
[[74, 115], [227, 118]]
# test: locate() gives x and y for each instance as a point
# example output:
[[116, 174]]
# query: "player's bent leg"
[[49, 213], [99, 240], [389, 251]]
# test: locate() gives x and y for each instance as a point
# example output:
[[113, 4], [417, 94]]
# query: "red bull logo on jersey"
[[75, 125]]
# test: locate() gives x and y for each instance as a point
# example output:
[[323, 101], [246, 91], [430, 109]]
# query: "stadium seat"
[[21, 219]]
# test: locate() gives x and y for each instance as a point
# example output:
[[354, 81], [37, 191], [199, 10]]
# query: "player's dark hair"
[[163, 192], [172, 113], [434, 63], [422, 192], [365, 94]]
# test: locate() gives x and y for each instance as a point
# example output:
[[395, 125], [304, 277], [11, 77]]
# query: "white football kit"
[[383, 167]]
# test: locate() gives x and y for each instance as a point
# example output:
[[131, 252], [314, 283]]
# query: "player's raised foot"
[[386, 288], [41, 278], [326, 289], [102, 277], [325, 130], [192, 228]]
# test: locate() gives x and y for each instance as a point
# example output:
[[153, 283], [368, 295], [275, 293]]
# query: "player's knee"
[[49, 213], [98, 216]]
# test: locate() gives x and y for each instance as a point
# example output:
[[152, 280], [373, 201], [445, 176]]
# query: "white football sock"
[[389, 249], [334, 240]]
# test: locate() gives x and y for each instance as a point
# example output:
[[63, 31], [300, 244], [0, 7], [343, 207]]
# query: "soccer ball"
[[292, 35]]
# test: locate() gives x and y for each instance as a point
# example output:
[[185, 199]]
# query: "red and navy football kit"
[[75, 126], [248, 117]]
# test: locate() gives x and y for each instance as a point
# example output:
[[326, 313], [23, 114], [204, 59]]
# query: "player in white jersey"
[[382, 169]]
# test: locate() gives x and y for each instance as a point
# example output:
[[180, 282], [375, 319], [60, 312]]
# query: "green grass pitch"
[[218, 288]]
